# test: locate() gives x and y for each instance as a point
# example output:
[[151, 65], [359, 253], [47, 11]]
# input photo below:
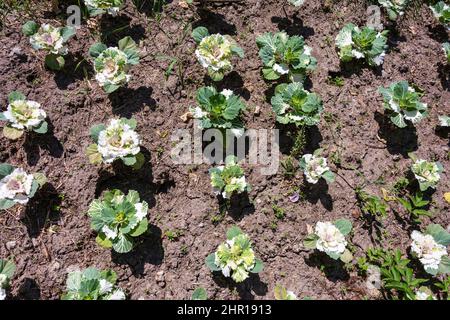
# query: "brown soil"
[[53, 234]]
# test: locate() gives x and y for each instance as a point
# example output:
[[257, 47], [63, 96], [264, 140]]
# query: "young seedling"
[[402, 103], [441, 11], [329, 237], [397, 278], [284, 55], [18, 187], [235, 257], [415, 206], [293, 104], [22, 115], [296, 3], [446, 48], [431, 249], [394, 8], [50, 39], [371, 205], [97, 7], [118, 140], [214, 52], [427, 173], [112, 64], [229, 179], [315, 167], [92, 284], [118, 219], [365, 43], [7, 269], [218, 110], [281, 293]]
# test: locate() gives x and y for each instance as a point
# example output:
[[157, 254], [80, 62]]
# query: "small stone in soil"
[[10, 245]]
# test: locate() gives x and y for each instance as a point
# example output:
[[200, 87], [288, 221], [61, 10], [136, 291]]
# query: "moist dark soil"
[[52, 235]]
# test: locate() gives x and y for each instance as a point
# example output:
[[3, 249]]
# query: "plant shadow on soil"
[[113, 29], [333, 269], [398, 140], [288, 134], [443, 132], [215, 22], [438, 33], [147, 6], [28, 290], [125, 101], [34, 141], [149, 249], [294, 26], [252, 284], [76, 69], [444, 75], [319, 191], [232, 81], [238, 207], [42, 210]]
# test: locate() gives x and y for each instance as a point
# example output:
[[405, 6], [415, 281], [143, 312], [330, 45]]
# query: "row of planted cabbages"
[[119, 218]]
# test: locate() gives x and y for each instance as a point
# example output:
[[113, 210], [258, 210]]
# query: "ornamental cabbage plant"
[[117, 140], [96, 7], [228, 179], [214, 52], [22, 115], [315, 167], [403, 104], [394, 8], [329, 237], [293, 104], [92, 284], [118, 218], [281, 293], [297, 3], [7, 269], [235, 257], [218, 109], [112, 64], [285, 55], [16, 186], [426, 173], [431, 249], [365, 43], [423, 293], [441, 11], [50, 39], [446, 47], [444, 121]]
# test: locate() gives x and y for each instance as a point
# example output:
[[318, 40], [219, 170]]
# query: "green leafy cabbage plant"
[[235, 257], [282, 55], [229, 179], [365, 43], [293, 104], [118, 218], [92, 284], [403, 103]]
